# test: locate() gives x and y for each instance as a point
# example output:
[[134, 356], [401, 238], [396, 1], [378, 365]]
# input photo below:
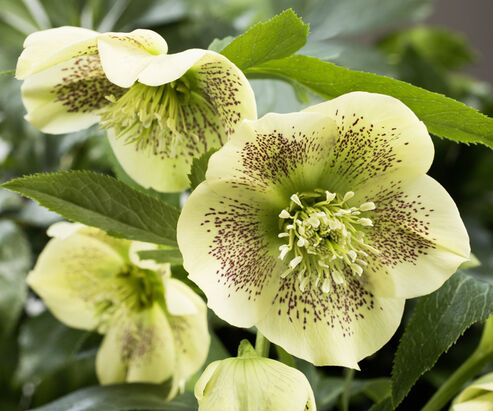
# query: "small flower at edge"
[[478, 396], [161, 110], [315, 227], [155, 327], [250, 382]]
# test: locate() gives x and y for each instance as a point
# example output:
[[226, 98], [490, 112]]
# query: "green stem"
[[481, 357], [347, 388], [262, 345]]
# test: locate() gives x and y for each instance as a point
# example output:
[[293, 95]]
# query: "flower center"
[[152, 117], [324, 238], [131, 290]]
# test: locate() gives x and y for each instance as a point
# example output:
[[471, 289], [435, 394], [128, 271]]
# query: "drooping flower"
[[478, 396], [161, 110], [250, 382], [315, 226], [155, 326]]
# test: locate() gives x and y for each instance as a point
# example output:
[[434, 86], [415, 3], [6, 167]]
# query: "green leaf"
[[444, 315], [15, 261], [279, 37], [121, 397], [162, 255], [102, 201], [199, 168], [45, 346], [218, 45], [443, 116], [384, 405]]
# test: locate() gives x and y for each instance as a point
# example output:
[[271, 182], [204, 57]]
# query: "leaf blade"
[[279, 37], [445, 314], [102, 201], [443, 116]]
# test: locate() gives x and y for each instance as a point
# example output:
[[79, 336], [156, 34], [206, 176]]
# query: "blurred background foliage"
[[41, 359]]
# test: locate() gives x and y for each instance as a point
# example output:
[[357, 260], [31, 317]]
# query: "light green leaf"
[[15, 261], [122, 397], [384, 405], [102, 201], [445, 315], [162, 255], [45, 346], [443, 116], [219, 44], [199, 168], [279, 37]]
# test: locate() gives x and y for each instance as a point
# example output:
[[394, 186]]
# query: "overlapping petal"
[[420, 238], [248, 383], [337, 328]]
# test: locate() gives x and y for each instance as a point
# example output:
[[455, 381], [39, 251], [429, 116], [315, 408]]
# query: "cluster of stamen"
[[152, 116], [324, 238]]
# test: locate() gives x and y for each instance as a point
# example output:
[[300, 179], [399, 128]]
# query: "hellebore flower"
[[478, 396], [250, 382], [161, 110], [155, 327], [315, 226]]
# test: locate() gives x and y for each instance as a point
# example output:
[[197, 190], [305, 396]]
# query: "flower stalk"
[[262, 345], [481, 357]]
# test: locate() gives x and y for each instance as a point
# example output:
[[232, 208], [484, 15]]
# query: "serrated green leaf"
[[104, 202], [443, 116], [15, 261], [445, 315], [162, 255], [199, 168], [122, 397], [384, 405], [279, 37]]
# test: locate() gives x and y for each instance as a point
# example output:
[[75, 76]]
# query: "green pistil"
[[324, 236], [151, 117], [131, 290]]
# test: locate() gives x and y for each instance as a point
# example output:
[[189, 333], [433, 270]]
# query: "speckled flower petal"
[[124, 56], [379, 138], [71, 273], [219, 98], [340, 327], [482, 402], [190, 331], [420, 237], [238, 384], [67, 96], [138, 347], [46, 48], [226, 252], [281, 153]]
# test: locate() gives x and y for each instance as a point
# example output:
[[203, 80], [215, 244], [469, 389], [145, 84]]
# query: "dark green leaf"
[[102, 201], [277, 38], [384, 405], [162, 255], [443, 116], [443, 315], [122, 397], [46, 345], [15, 261], [199, 168]]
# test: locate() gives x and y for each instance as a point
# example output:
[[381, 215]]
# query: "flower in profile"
[[155, 326], [161, 110], [478, 396], [250, 382], [315, 227]]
